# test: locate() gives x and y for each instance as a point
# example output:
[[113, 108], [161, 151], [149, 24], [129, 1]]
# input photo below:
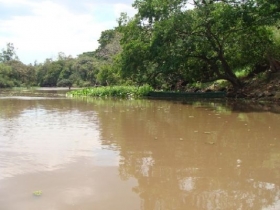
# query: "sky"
[[40, 29]]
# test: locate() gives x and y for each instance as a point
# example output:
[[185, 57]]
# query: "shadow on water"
[[33, 92], [250, 106], [233, 105], [194, 155]]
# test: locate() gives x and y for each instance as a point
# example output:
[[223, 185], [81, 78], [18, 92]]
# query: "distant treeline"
[[165, 45], [88, 69]]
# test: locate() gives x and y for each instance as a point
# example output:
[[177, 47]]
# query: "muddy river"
[[59, 153]]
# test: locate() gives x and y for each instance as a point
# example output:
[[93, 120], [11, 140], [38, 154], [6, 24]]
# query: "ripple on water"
[[44, 136]]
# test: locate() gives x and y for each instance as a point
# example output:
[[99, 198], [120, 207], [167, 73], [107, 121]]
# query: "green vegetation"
[[65, 83], [38, 193], [165, 42], [114, 91], [167, 45], [88, 69]]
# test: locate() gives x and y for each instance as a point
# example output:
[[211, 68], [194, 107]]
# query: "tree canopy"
[[166, 43], [8, 54], [208, 41]]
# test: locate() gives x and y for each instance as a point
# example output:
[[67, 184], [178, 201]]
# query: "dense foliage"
[[166, 44], [114, 91], [88, 69]]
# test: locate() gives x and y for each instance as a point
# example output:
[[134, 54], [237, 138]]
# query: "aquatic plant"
[[114, 91], [37, 192]]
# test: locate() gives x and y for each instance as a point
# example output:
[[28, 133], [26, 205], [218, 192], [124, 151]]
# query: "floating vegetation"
[[210, 142], [114, 91], [207, 132], [37, 192]]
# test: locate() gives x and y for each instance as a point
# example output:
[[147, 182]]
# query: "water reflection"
[[137, 154], [194, 157], [43, 134]]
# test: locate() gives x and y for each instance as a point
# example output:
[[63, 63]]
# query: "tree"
[[206, 43], [85, 69], [23, 74], [135, 61], [8, 54], [6, 79], [65, 83], [108, 75], [109, 45], [50, 73], [108, 56]]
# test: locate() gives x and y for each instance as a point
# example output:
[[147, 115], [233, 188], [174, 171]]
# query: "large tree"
[[208, 41]]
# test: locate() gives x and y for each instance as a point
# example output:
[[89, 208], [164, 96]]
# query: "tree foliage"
[[88, 69], [208, 42], [166, 44], [8, 54]]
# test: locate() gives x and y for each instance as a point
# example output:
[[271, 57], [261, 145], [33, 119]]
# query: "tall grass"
[[114, 91]]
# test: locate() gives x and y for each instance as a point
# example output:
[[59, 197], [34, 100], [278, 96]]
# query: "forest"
[[167, 45]]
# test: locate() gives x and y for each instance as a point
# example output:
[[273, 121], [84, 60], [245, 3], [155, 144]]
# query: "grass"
[[114, 91]]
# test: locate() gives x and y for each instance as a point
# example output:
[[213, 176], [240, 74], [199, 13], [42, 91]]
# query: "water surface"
[[135, 154]]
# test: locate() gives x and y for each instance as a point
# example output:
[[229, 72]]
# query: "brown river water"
[[93, 154]]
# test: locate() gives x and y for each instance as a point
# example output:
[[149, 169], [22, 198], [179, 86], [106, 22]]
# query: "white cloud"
[[14, 2], [50, 28]]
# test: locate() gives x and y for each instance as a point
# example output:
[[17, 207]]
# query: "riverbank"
[[264, 87]]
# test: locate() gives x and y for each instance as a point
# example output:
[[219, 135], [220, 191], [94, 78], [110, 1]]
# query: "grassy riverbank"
[[114, 91], [260, 87]]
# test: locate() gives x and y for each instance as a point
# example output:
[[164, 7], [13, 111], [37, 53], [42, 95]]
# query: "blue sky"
[[40, 29]]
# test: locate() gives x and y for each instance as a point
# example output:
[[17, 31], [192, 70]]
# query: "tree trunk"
[[229, 75], [274, 64], [236, 83]]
